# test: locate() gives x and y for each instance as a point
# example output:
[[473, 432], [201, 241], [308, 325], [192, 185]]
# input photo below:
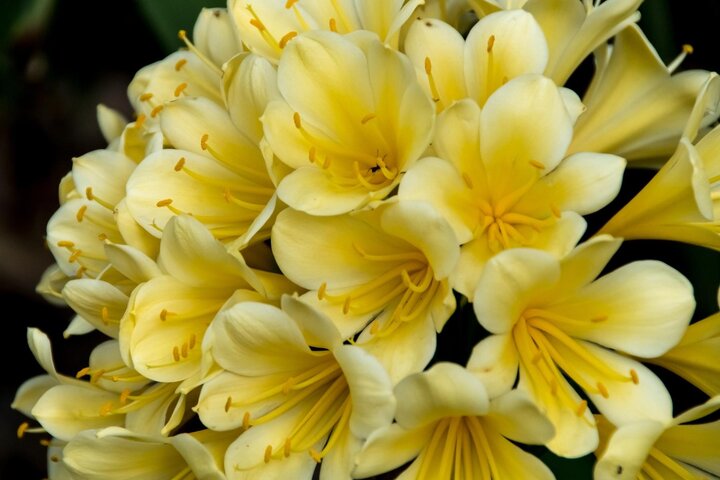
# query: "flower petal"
[[495, 361], [314, 191], [627, 450], [391, 447], [516, 417], [696, 445]]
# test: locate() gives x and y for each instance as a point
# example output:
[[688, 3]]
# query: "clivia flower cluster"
[[309, 192]]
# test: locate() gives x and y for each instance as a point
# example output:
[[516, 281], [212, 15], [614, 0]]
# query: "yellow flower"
[[668, 449], [449, 429], [345, 148], [387, 268], [501, 180], [297, 405], [551, 319]]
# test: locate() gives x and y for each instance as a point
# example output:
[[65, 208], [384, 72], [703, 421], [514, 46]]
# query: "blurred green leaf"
[[167, 17], [656, 22]]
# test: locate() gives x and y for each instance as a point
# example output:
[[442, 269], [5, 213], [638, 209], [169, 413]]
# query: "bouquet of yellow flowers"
[[312, 190]]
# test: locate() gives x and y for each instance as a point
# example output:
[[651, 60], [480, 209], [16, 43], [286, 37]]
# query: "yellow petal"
[[627, 450], [100, 303], [214, 36], [696, 445], [389, 448], [495, 361]]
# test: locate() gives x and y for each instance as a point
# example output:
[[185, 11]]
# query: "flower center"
[[546, 352], [408, 285], [458, 449]]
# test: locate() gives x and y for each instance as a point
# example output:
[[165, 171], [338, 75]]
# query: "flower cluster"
[[309, 193]]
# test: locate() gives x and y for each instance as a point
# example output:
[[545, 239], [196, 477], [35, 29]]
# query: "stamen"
[[22, 428], [164, 203], [634, 376], [156, 110], [179, 64], [105, 315], [603, 390], [599, 318], [44, 442], [228, 404], [82, 372], [490, 43], [145, 97], [124, 396], [431, 81], [176, 353], [686, 50], [315, 455], [582, 406], [180, 88], [74, 256], [180, 164], [321, 291], [81, 213], [65, 243], [268, 453], [297, 121], [346, 305], [367, 118], [287, 447], [286, 38], [289, 4], [537, 164], [468, 181], [257, 24], [333, 25], [102, 237], [184, 350], [246, 421], [192, 341], [140, 121], [182, 34], [312, 154]]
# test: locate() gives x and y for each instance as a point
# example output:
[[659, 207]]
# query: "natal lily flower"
[[636, 108], [116, 454], [388, 267], [575, 34], [344, 151], [267, 27], [672, 449], [297, 404], [552, 319], [447, 424], [499, 47], [501, 180]]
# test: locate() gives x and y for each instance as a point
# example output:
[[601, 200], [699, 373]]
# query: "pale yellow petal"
[[214, 35], [627, 450], [511, 461], [314, 191], [515, 416], [100, 303], [495, 361], [696, 445], [389, 448]]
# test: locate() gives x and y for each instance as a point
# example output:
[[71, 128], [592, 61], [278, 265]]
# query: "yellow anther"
[[192, 341], [180, 164], [54, 459], [163, 314], [491, 43], [346, 305], [582, 406], [156, 110], [286, 38], [146, 96], [80, 272], [184, 350], [82, 372], [182, 35], [333, 25], [603, 390], [81, 213], [468, 181], [203, 141], [311, 154], [124, 396], [367, 118], [176, 353], [65, 243], [321, 291], [296, 120], [228, 404], [105, 315], [96, 375], [428, 66], [286, 447], [179, 89], [22, 428], [44, 442], [537, 164], [257, 24], [687, 48], [115, 378], [634, 376], [289, 4], [268, 453], [599, 318], [180, 63], [106, 409], [246, 421], [89, 193], [315, 455], [74, 256], [140, 120], [164, 203]]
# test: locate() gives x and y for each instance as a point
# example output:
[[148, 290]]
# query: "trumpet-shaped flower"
[[551, 319], [575, 34], [500, 47], [267, 27], [388, 267], [449, 429], [677, 448], [345, 150], [297, 404], [501, 180], [635, 107]]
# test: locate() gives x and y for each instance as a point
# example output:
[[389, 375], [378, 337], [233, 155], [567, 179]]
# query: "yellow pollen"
[[140, 121], [180, 63], [333, 25], [468, 181], [81, 213], [315, 455], [321, 291], [192, 341], [22, 428], [44, 442], [65, 243], [367, 118], [163, 314], [296, 120], [97, 375], [182, 35], [312, 154], [491, 43], [286, 38], [268, 453], [246, 420], [105, 315], [603, 390], [582, 406], [289, 4], [89, 193], [180, 88], [180, 164], [184, 350], [228, 404], [74, 256], [203, 141], [146, 96], [346, 305], [124, 396], [537, 164], [599, 318], [164, 203], [428, 66], [176, 353], [687, 48], [106, 409], [257, 24], [286, 447], [634, 376], [156, 110], [82, 372]]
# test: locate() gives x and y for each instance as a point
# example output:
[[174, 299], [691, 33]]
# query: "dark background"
[[50, 84]]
